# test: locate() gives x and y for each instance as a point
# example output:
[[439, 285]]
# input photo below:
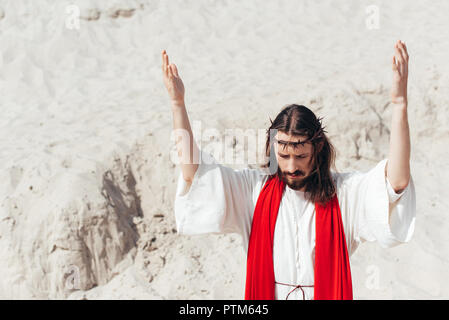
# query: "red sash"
[[332, 269]]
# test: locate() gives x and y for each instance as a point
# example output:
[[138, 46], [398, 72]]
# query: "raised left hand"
[[400, 74]]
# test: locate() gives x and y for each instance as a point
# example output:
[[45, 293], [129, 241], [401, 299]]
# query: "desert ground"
[[87, 174]]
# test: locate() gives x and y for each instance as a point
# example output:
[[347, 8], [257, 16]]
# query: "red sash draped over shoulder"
[[332, 269]]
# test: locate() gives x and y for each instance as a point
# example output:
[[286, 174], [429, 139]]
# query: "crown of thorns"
[[318, 134]]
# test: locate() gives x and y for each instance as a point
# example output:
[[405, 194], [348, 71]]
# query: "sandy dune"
[[86, 199]]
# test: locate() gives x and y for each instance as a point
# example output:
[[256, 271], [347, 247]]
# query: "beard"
[[295, 183]]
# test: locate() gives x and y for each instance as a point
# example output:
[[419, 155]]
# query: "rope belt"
[[295, 288]]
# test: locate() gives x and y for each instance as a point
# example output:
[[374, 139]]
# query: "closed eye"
[[298, 157]]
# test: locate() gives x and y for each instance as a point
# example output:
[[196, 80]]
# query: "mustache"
[[297, 172]]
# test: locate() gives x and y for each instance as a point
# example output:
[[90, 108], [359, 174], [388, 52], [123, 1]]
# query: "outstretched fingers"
[[401, 57], [397, 62], [398, 54], [405, 56], [403, 49], [168, 69], [165, 64]]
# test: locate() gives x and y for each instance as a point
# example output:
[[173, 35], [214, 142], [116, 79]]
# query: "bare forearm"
[[188, 151], [398, 165]]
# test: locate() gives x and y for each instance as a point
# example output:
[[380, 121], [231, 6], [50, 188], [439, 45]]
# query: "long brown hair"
[[299, 120]]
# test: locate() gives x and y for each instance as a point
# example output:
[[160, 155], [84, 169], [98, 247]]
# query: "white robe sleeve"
[[377, 212], [219, 199]]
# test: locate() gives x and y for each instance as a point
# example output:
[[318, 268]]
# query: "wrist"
[[399, 105], [177, 103], [399, 112]]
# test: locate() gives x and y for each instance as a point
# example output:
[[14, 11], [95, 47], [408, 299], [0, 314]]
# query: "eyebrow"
[[293, 143], [303, 154]]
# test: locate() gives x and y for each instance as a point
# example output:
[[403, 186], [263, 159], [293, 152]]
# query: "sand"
[[88, 184]]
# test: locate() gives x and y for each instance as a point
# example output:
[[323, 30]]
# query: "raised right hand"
[[172, 80]]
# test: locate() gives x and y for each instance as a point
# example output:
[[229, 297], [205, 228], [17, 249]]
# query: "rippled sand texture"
[[88, 181]]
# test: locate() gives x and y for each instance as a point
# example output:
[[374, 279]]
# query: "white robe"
[[222, 200]]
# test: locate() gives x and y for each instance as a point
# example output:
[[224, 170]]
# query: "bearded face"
[[294, 160]]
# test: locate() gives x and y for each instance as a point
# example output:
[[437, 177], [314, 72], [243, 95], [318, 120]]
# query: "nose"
[[291, 166]]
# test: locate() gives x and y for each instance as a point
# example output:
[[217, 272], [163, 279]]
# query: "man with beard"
[[299, 220]]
